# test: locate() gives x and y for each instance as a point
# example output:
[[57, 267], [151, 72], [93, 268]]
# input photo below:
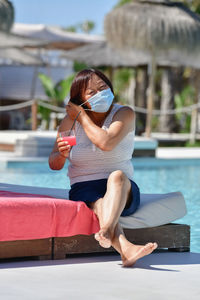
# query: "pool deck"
[[39, 143], [9, 138], [161, 275], [161, 153]]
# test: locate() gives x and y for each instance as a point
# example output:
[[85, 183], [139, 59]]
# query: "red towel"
[[29, 216]]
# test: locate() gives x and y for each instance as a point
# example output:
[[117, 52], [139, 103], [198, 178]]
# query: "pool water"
[[152, 176]]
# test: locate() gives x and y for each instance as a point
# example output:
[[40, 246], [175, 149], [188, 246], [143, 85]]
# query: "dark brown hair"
[[80, 82]]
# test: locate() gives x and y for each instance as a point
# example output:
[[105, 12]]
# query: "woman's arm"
[[61, 148], [122, 123]]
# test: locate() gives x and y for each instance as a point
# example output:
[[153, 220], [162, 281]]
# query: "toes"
[[101, 235], [150, 246], [140, 252], [155, 245], [105, 243], [103, 238], [97, 237]]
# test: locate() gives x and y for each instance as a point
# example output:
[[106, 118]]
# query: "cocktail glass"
[[69, 136]]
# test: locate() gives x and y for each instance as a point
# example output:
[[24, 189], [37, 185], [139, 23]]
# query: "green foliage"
[[121, 82], [72, 28], [122, 2], [79, 66], [194, 5], [62, 88], [185, 98], [155, 123], [195, 144], [47, 85], [87, 26], [121, 79], [55, 92], [44, 112]]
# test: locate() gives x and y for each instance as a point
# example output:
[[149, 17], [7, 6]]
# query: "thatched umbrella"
[[19, 56], [9, 40], [6, 15], [156, 26], [100, 54], [56, 37], [10, 43]]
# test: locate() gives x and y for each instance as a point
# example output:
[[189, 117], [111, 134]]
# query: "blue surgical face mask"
[[101, 101]]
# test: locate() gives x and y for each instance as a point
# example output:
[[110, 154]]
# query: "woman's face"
[[95, 85]]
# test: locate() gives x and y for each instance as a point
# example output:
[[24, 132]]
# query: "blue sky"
[[63, 12]]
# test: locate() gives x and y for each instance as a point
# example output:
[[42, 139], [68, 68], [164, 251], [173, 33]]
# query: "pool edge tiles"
[[12, 158], [178, 152], [164, 162]]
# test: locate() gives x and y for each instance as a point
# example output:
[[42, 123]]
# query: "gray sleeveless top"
[[88, 162]]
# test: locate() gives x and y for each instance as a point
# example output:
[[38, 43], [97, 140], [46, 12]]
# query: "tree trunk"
[[141, 83], [167, 122], [130, 92], [34, 115], [194, 115], [150, 95]]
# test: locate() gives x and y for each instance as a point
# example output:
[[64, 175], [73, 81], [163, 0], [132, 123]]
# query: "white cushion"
[[154, 210]]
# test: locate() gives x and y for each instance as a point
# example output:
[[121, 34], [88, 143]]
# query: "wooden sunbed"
[[146, 224], [174, 237]]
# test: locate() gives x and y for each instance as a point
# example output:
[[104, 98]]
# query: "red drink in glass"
[[68, 136], [70, 139]]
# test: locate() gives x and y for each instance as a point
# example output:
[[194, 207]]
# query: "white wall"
[[16, 81]]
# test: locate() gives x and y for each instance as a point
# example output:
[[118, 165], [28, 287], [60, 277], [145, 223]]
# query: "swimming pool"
[[152, 176]]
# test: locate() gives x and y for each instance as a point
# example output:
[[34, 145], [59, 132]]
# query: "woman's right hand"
[[63, 147]]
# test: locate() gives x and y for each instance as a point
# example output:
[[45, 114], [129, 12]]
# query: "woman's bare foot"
[[134, 252], [104, 237]]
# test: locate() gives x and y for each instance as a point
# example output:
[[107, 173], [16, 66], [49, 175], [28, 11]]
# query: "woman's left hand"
[[73, 110]]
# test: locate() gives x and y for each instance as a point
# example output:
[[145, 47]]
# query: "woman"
[[100, 169]]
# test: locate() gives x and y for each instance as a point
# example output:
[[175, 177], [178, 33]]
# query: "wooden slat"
[[171, 236], [167, 236], [22, 248], [78, 244]]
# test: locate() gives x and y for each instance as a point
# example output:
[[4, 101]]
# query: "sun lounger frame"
[[173, 236]]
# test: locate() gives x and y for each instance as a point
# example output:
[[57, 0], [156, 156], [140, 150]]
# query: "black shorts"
[[91, 191]]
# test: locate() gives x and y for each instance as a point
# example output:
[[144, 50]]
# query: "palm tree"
[[87, 26]]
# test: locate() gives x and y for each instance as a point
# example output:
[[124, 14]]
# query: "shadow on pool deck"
[[160, 257]]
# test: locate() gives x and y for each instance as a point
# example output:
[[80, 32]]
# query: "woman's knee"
[[118, 176]]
